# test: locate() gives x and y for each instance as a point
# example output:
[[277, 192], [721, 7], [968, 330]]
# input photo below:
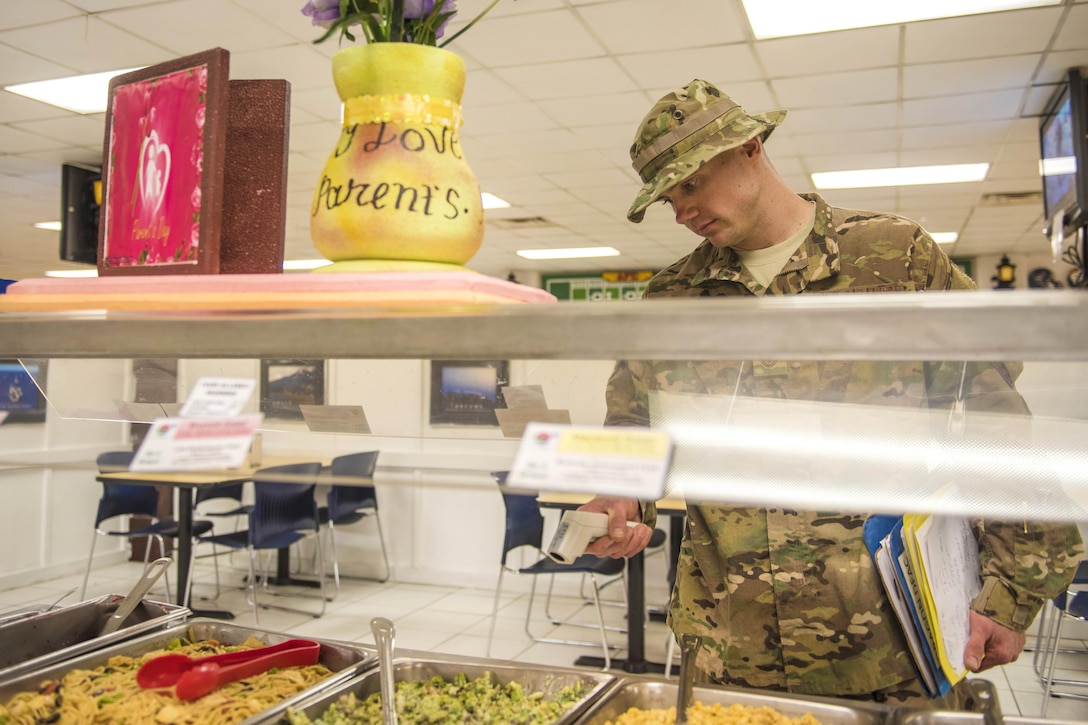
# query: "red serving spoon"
[[196, 677]]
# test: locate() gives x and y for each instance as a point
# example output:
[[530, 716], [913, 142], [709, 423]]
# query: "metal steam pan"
[[650, 694], [345, 659], [533, 678], [33, 641]]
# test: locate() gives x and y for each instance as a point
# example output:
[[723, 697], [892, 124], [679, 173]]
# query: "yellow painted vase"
[[396, 192]]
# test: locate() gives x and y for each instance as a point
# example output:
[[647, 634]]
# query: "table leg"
[[185, 556], [283, 572], [635, 661], [184, 542]]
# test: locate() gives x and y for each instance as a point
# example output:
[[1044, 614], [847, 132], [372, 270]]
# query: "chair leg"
[[253, 583], [90, 561], [495, 611], [321, 573], [147, 560], [335, 556], [670, 649], [600, 621], [385, 554]]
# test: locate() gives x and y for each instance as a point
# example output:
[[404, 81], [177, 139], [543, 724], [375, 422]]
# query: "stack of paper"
[[930, 570]]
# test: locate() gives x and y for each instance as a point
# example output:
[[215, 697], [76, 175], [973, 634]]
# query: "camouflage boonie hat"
[[684, 130]]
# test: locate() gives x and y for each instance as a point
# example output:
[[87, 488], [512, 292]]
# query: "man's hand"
[[622, 540], [991, 644]]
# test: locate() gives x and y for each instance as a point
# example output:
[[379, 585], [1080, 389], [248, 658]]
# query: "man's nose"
[[684, 212]]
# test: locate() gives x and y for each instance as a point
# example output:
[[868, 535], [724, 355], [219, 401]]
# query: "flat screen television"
[[1063, 139], [20, 396], [80, 199]]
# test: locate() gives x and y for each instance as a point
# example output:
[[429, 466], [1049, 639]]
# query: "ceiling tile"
[[38, 12], [569, 79], [722, 65], [17, 66], [969, 76], [1074, 32], [500, 119], [484, 88], [190, 26], [823, 54], [816, 120], [837, 89], [496, 42], [981, 36], [598, 109], [299, 65], [640, 26], [73, 129], [968, 108], [89, 45]]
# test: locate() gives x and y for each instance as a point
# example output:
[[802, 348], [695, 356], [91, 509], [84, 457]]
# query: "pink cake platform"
[[265, 291]]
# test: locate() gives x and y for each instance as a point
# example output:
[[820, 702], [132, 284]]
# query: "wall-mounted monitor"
[[20, 395], [1063, 139], [80, 199], [467, 392]]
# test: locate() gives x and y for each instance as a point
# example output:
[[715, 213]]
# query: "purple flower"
[[323, 12], [420, 9]]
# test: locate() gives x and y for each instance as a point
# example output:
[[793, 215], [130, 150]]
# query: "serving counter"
[[377, 357]]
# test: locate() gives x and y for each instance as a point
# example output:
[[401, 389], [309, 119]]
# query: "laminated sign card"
[[163, 174]]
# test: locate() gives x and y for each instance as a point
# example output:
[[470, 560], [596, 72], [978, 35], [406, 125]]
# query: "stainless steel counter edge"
[[1044, 325]]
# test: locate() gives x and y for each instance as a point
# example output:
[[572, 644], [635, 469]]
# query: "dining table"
[[676, 511], [186, 483]]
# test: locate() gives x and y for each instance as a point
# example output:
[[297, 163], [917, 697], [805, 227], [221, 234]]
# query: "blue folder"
[[876, 530]]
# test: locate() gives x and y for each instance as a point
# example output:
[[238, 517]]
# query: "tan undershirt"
[[765, 264]]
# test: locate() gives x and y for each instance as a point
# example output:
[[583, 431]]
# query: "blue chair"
[[525, 527], [284, 512], [130, 500], [235, 492], [1070, 604], [348, 503]]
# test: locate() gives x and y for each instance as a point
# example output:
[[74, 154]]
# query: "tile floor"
[[456, 621]]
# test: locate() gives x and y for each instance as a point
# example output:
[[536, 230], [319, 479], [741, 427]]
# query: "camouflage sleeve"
[[1023, 565], [626, 395], [628, 404]]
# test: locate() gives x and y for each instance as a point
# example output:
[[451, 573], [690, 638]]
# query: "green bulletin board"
[[597, 287]]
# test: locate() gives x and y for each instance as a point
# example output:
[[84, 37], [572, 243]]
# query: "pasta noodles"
[[715, 714], [109, 694]]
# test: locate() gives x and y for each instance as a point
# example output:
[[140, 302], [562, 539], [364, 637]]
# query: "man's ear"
[[752, 147]]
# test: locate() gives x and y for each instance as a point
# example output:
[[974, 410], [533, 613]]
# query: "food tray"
[[40, 639], [652, 694], [345, 659], [941, 717], [409, 669]]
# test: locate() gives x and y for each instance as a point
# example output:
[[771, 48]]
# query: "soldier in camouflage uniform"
[[784, 599]]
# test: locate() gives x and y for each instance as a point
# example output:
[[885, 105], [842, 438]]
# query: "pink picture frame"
[[163, 168]]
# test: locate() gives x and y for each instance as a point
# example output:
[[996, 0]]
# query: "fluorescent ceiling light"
[[82, 94], [945, 237], [72, 273], [493, 202], [569, 253], [901, 176], [51, 226], [305, 263], [1058, 166], [780, 18]]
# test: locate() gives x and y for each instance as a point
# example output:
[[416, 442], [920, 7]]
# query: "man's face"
[[719, 201]]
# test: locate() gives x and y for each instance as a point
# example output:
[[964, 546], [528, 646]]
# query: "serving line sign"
[[610, 461]]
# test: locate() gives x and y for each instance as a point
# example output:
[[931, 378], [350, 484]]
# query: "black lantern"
[[1006, 274]]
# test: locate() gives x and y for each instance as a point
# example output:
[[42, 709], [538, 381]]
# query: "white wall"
[[47, 474]]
